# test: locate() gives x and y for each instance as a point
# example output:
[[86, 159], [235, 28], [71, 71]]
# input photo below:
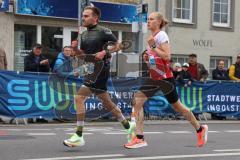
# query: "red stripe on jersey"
[[158, 68]]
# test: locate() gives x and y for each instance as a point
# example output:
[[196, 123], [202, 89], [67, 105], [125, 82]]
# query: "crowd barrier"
[[25, 95]]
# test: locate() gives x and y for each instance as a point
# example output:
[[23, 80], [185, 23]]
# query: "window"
[[214, 63], [121, 62], [130, 36], [179, 58], [221, 13], [52, 41], [182, 11], [74, 35], [25, 37], [115, 34]]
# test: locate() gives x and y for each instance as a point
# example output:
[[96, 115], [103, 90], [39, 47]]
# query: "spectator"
[[185, 76], [3, 66], [196, 69], [3, 59], [75, 54], [145, 72], [75, 51], [234, 70], [35, 61], [220, 73], [63, 64], [176, 69], [74, 46]]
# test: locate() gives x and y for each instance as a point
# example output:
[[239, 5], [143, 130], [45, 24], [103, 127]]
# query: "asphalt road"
[[104, 141]]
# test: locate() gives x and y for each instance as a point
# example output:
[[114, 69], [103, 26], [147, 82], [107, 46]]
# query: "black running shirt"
[[93, 40]]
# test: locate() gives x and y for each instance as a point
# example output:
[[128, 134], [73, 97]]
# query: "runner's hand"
[[100, 55], [151, 41], [145, 57]]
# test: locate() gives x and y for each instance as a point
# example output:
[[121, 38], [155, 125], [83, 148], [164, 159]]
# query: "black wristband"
[[108, 54], [153, 46]]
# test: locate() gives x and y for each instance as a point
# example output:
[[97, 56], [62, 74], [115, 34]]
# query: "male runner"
[[92, 42]]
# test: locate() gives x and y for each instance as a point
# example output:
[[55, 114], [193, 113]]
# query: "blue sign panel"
[[120, 13], [53, 8], [36, 94], [4, 5], [111, 12]]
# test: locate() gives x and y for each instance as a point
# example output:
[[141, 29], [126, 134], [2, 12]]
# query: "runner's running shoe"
[[136, 143], [202, 136], [74, 141], [131, 131]]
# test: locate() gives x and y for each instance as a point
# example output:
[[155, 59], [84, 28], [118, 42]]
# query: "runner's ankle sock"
[[125, 124], [133, 119], [199, 130], [80, 125], [140, 136]]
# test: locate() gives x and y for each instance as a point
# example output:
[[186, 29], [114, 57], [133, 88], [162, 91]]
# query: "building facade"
[[209, 28], [27, 23]]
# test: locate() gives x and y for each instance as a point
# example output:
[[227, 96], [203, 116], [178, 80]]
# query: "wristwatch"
[[108, 54], [153, 46]]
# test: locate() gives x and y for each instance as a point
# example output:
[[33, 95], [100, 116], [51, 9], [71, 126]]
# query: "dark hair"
[[66, 47], [193, 55], [37, 46], [74, 40], [96, 11]]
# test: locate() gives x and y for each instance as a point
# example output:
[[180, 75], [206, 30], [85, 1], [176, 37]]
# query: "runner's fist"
[[151, 41], [145, 57], [100, 55]]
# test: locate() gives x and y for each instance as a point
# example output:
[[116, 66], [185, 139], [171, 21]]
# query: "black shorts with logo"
[[166, 87], [100, 85]]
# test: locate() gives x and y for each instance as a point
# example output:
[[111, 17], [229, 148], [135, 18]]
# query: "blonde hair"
[[160, 17]]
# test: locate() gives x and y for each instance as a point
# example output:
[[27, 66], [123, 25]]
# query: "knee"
[[138, 103], [110, 106], [177, 109], [181, 109], [80, 99]]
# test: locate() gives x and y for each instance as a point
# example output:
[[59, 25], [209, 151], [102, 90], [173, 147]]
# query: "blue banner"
[[4, 5], [54, 8], [120, 13], [111, 12], [25, 94]]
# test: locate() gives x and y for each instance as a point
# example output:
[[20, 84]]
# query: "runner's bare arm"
[[163, 51]]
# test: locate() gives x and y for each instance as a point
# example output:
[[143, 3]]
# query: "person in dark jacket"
[[176, 69], [220, 73], [35, 61], [185, 76]]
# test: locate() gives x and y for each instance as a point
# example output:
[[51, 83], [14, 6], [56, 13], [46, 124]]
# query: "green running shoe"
[[74, 141], [131, 131]]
